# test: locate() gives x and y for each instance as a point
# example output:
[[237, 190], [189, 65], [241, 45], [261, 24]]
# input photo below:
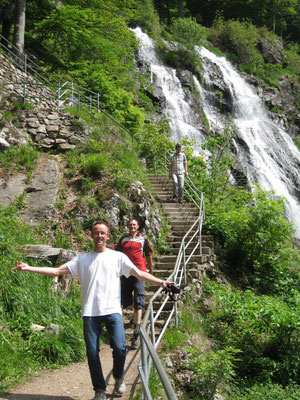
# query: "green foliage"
[[215, 182], [240, 38], [27, 299], [256, 239], [210, 371], [155, 385], [292, 51], [147, 18], [269, 392], [174, 338], [93, 165], [94, 47], [188, 32], [153, 141], [265, 329], [19, 159]]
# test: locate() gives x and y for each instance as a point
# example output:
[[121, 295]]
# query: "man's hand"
[[20, 266]]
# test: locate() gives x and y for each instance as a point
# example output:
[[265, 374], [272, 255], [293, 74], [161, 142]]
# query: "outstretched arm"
[[48, 271], [146, 277]]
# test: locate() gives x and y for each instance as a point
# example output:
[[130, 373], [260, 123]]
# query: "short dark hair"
[[177, 146], [100, 222], [133, 219]]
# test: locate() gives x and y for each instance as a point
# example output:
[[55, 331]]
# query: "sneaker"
[[134, 343], [120, 386], [100, 395]]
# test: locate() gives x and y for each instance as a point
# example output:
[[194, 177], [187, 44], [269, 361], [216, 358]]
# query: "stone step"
[[169, 264], [172, 206], [205, 240], [180, 212], [162, 186], [205, 250], [157, 177]]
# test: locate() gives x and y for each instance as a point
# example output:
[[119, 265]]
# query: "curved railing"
[[149, 340]]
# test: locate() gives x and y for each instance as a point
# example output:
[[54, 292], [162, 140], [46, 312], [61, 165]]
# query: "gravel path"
[[74, 383]]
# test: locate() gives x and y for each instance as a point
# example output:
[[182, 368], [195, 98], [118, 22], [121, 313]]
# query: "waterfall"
[[182, 117], [265, 151]]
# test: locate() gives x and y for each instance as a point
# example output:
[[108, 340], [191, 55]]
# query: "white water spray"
[[266, 152]]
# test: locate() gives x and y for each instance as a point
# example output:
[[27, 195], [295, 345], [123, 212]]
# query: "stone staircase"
[[180, 217]]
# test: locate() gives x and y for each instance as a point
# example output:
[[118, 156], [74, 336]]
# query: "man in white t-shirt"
[[99, 272]]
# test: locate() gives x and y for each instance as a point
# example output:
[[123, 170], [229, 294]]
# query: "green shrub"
[[93, 165], [240, 38], [269, 391], [210, 371], [265, 329], [188, 32]]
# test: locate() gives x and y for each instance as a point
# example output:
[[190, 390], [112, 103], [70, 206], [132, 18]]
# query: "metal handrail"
[[67, 93], [25, 61], [149, 342]]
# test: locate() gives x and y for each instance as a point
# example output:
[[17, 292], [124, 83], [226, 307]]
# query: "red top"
[[135, 249]]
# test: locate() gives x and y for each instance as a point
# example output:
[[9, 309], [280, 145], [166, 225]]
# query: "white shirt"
[[99, 275]]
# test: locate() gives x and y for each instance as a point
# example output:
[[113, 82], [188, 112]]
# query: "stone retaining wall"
[[43, 126]]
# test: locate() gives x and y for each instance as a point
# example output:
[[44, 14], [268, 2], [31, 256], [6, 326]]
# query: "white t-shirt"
[[99, 275]]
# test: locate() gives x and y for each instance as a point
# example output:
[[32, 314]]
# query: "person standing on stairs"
[[137, 248], [177, 170], [99, 272]]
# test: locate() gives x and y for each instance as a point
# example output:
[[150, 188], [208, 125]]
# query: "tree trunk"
[[7, 21], [19, 31], [180, 9]]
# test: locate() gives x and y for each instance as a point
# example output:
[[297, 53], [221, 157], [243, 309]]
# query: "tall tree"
[[7, 17], [19, 32], [180, 9]]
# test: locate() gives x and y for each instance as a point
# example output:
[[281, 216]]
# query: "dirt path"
[[74, 382]]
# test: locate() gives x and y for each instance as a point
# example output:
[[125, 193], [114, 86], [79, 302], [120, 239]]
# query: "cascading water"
[[266, 153], [182, 118]]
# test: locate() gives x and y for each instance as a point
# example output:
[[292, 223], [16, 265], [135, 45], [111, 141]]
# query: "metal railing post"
[[58, 97], [176, 313], [24, 91], [72, 93], [184, 263]]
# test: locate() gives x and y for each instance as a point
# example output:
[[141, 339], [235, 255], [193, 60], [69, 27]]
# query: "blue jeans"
[[92, 327]]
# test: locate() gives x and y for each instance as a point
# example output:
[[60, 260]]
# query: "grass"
[[27, 299], [19, 159]]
